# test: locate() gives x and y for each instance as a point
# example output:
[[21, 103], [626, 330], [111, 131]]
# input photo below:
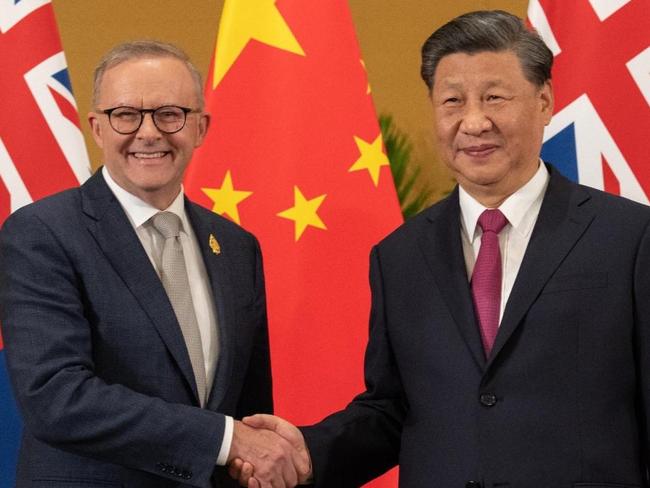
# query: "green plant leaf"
[[412, 198]]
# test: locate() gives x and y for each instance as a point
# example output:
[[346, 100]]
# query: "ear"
[[547, 101], [202, 128], [96, 128]]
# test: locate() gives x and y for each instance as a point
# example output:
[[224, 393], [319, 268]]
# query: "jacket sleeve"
[[362, 441], [49, 347]]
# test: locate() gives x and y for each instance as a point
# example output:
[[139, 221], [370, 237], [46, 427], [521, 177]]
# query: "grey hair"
[[488, 30], [145, 49]]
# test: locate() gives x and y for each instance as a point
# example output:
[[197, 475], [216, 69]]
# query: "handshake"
[[268, 452]]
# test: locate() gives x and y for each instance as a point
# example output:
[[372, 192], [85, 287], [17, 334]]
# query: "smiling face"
[[148, 163], [489, 122]]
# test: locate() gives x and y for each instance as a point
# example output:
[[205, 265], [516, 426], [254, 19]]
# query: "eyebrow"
[[487, 84], [142, 106]]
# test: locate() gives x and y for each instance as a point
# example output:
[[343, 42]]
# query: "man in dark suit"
[[134, 320], [510, 324]]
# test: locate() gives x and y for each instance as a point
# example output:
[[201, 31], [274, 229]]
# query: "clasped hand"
[[268, 452]]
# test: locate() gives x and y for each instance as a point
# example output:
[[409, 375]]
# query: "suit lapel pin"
[[214, 244]]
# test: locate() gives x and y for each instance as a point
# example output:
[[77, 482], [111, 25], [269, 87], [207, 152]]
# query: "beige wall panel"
[[390, 33]]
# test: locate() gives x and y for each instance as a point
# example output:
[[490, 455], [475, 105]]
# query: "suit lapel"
[[114, 234], [216, 265], [443, 250], [563, 218]]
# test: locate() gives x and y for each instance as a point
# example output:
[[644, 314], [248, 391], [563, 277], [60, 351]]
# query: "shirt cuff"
[[222, 458]]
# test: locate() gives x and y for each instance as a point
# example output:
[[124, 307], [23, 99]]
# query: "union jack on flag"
[[601, 75], [42, 149]]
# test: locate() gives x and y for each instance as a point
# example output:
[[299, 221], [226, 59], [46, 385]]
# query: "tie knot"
[[167, 223], [492, 220]]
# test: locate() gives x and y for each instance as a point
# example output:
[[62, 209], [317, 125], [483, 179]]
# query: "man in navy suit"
[[510, 324], [115, 388]]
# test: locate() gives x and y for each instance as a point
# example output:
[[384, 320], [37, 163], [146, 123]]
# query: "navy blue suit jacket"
[[97, 359], [562, 402]]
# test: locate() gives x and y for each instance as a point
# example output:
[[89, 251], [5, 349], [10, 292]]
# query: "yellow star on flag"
[[226, 198], [304, 212], [243, 20], [372, 157]]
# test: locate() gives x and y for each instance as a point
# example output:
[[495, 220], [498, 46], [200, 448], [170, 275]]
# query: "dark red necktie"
[[486, 278]]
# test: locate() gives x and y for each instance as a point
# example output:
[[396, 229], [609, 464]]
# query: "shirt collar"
[[516, 207], [137, 210]]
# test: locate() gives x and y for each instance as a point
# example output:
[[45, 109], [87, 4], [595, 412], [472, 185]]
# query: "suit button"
[[472, 484], [487, 400]]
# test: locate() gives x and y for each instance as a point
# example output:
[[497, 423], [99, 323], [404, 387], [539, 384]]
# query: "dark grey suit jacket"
[[97, 358], [563, 400]]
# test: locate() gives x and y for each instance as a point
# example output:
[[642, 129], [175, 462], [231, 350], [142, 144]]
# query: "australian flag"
[[42, 149], [600, 131]]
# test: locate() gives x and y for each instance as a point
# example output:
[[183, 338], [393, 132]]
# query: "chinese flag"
[[294, 154]]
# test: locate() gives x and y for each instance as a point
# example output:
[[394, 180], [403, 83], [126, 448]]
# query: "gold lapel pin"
[[214, 244]]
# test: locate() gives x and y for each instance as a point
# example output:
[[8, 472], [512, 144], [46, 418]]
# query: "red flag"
[[601, 77], [42, 149], [295, 155]]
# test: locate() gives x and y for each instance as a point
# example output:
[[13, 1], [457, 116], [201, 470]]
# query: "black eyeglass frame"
[[152, 111]]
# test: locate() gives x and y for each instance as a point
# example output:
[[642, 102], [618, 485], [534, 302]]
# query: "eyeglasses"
[[127, 120]]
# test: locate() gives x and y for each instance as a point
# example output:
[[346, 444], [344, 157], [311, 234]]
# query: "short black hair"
[[488, 30]]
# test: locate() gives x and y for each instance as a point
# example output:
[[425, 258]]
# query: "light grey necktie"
[[176, 283]]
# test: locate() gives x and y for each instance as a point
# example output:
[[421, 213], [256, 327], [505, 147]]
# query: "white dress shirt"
[[139, 214], [521, 209]]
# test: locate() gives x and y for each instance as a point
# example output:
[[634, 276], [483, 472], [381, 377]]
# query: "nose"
[[474, 120], [148, 129]]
